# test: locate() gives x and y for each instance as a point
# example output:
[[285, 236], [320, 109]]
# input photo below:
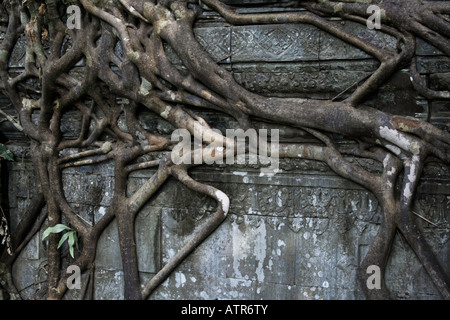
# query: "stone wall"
[[297, 235]]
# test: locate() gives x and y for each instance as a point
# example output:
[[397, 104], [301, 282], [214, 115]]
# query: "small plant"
[[70, 236]]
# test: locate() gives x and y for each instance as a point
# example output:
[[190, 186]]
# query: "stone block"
[[178, 225], [215, 41], [87, 212], [260, 249], [32, 249], [90, 185], [184, 285], [278, 291], [71, 124], [397, 96], [312, 293], [316, 248], [73, 184], [303, 78], [28, 275], [147, 230], [17, 59], [235, 289], [274, 43], [109, 284], [440, 81], [93, 189], [108, 249], [333, 48], [440, 113], [21, 184], [433, 64], [424, 48], [148, 239]]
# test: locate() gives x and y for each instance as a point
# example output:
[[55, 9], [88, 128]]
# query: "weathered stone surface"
[[433, 64], [440, 81], [332, 48], [109, 284], [17, 59], [423, 48], [275, 43], [148, 239], [291, 236], [259, 248], [252, 1], [440, 113], [297, 235], [108, 250], [29, 274], [308, 79], [398, 96]]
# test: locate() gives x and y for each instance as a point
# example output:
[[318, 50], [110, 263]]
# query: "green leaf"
[[63, 238], [5, 153], [71, 238], [9, 156], [56, 229]]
